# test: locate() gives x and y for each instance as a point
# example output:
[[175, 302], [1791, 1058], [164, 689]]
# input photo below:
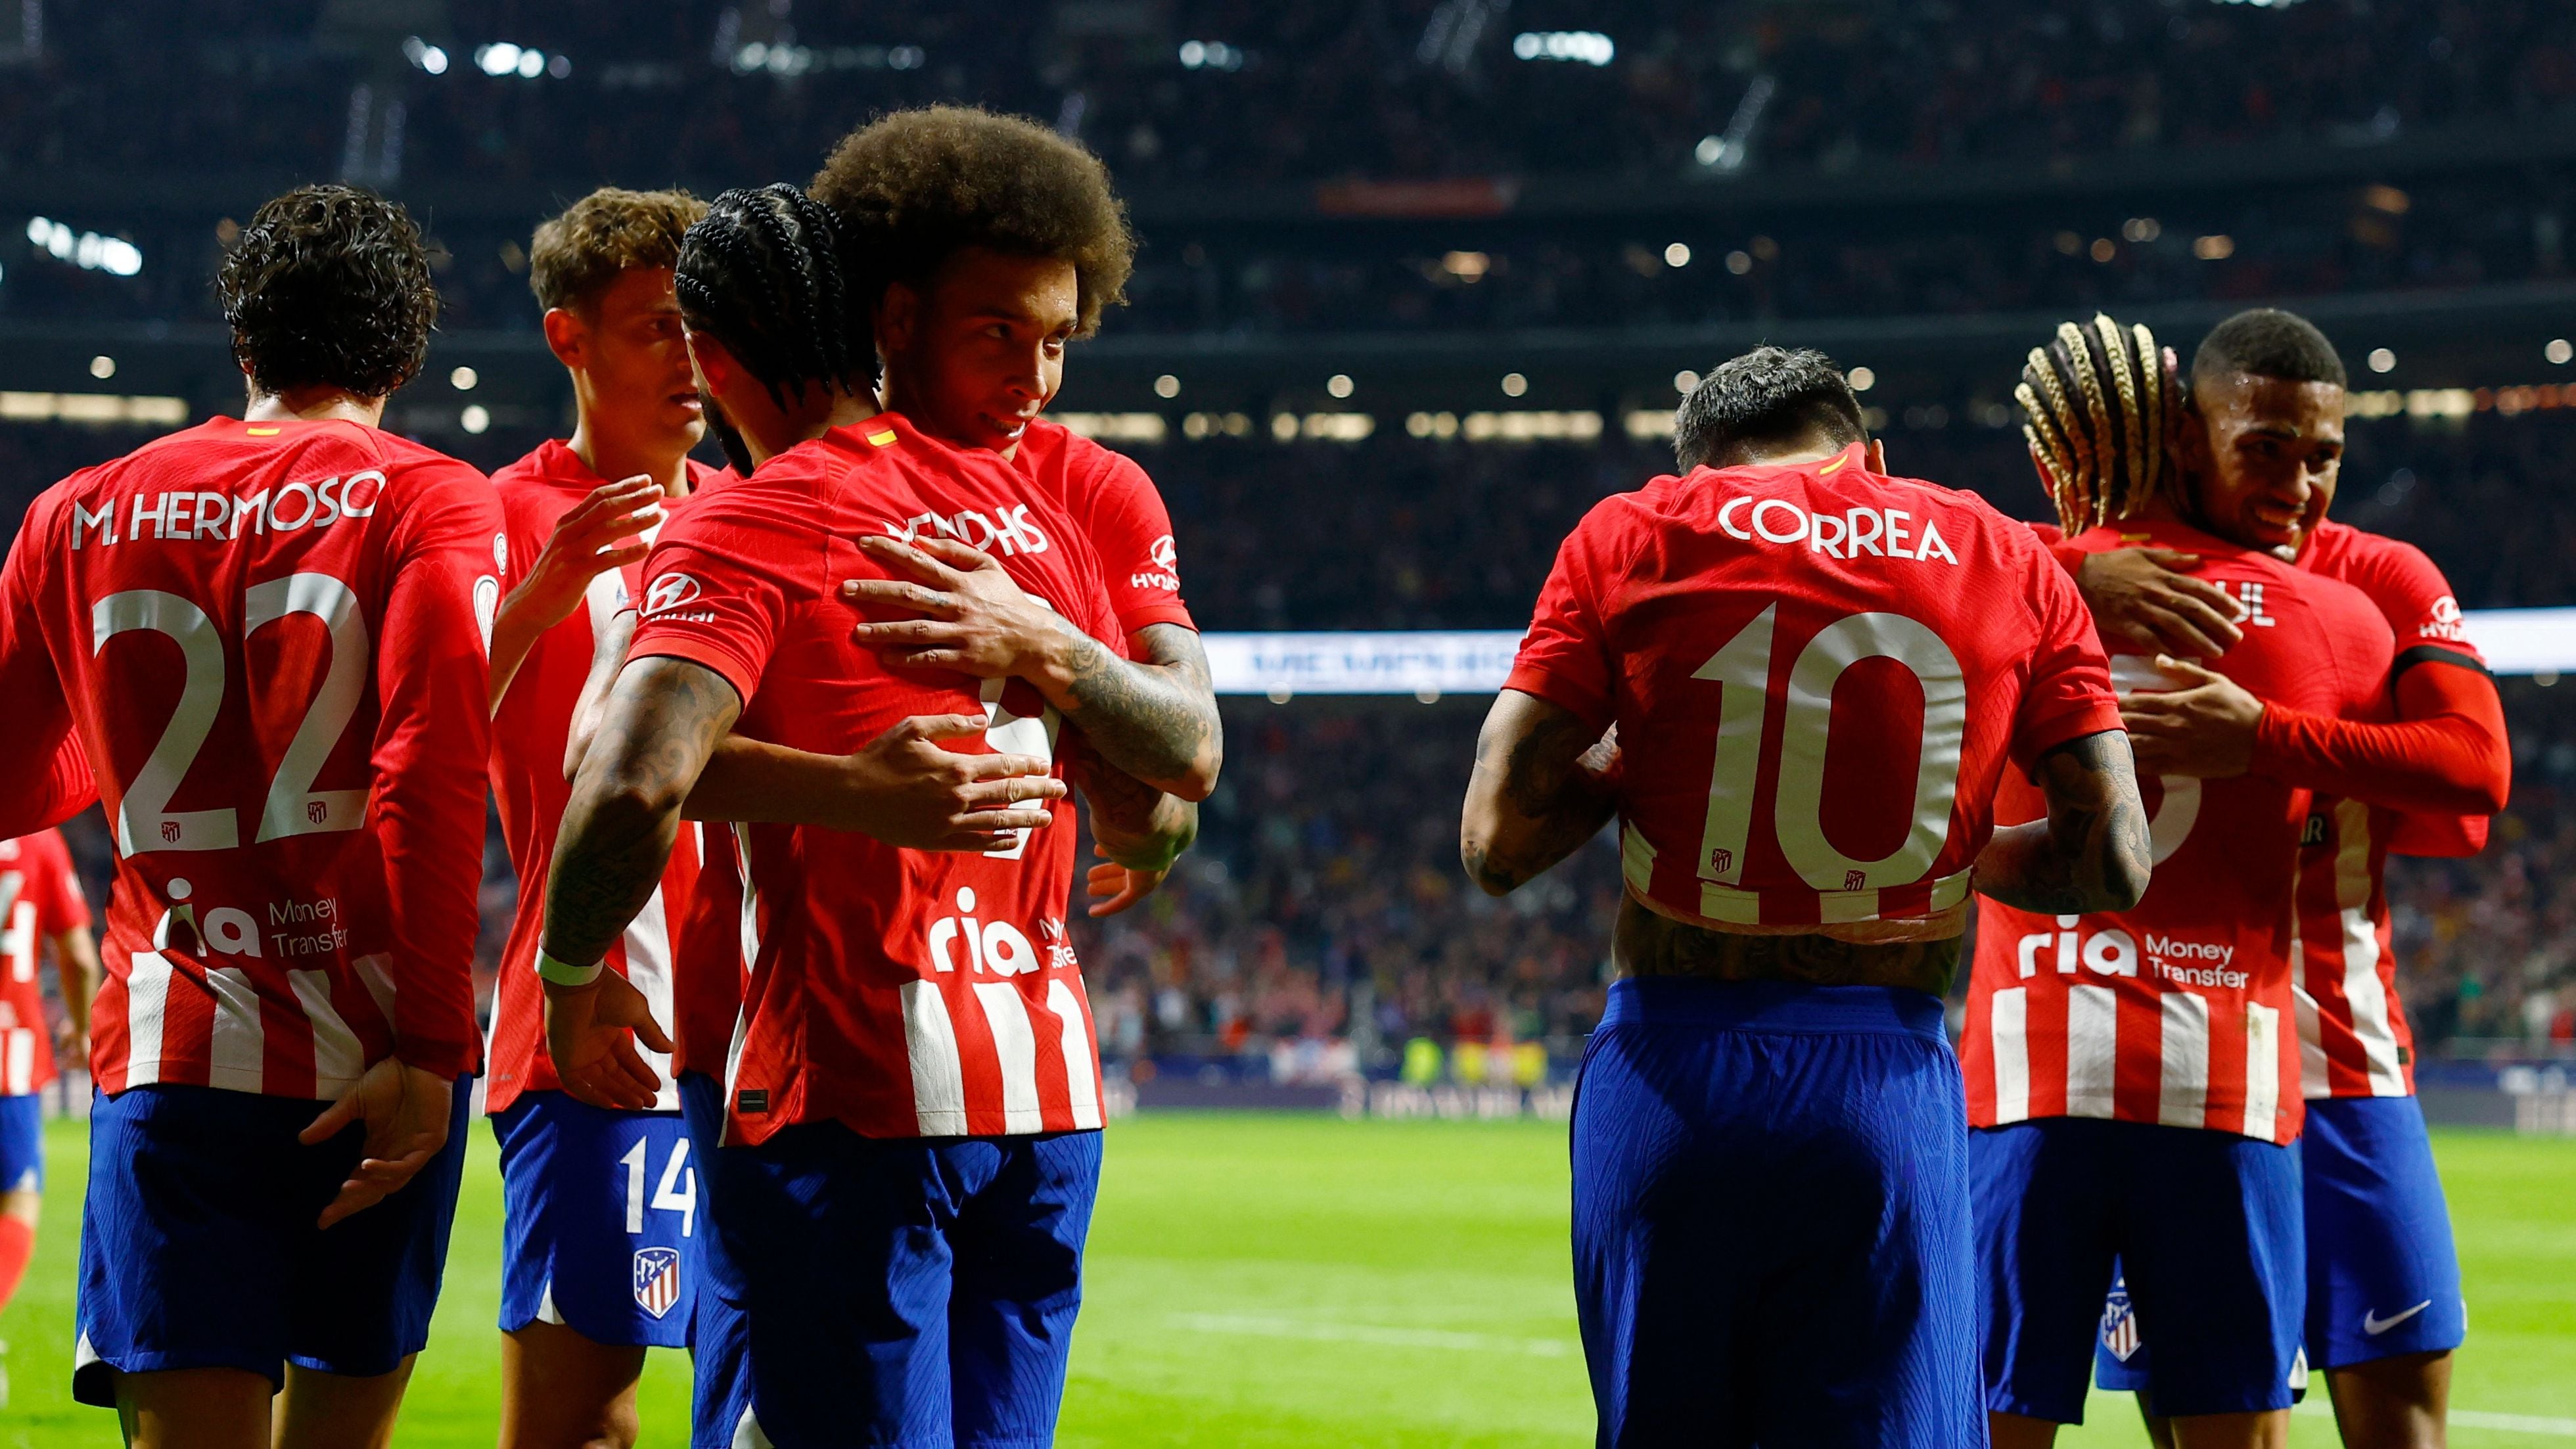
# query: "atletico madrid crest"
[[657, 1279], [2119, 1323]]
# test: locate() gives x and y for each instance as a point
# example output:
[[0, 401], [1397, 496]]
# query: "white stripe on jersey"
[[147, 1002], [2182, 1094], [1015, 1050], [2092, 1049], [1079, 1082], [375, 973], [648, 969], [2262, 1069], [2365, 996], [235, 1050], [2313, 1079], [938, 1075], [18, 1050], [2009, 1016], [337, 1059]]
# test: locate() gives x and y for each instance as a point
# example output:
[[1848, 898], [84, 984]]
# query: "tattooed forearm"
[[1155, 719], [1544, 784], [1132, 822], [661, 722], [2092, 852], [1646, 944]]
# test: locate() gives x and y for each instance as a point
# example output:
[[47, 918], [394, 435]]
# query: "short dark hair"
[[2267, 342], [913, 188], [329, 286], [761, 273], [1769, 395], [602, 237]]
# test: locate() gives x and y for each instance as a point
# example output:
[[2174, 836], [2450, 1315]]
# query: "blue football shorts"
[[199, 1250], [600, 1221], [1771, 1228], [900, 1293], [2383, 1277], [2203, 1225], [22, 1143]]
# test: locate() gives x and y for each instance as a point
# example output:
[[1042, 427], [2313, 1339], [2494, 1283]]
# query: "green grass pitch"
[[1274, 1280]]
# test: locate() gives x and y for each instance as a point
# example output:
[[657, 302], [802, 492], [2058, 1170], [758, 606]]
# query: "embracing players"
[[1796, 680], [2265, 417], [267, 637], [911, 1108], [2134, 1074]]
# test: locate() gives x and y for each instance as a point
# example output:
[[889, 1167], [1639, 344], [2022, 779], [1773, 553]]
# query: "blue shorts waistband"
[[1775, 1006]]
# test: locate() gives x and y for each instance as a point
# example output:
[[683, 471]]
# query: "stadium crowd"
[[1305, 90]]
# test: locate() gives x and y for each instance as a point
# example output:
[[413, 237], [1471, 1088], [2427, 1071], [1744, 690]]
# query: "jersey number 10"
[[1742, 670]]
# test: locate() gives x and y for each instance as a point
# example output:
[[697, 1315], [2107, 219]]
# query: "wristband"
[[564, 973]]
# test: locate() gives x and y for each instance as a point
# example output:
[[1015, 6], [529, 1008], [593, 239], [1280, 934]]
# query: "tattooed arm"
[[662, 721], [1544, 784], [1137, 830], [2091, 853], [1156, 720]]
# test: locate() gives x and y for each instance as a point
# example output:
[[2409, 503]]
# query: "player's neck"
[[613, 458], [313, 405]]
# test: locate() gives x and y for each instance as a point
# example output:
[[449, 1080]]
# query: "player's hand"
[[907, 790], [591, 1033], [2142, 595], [585, 544], [975, 620], [1114, 887], [2204, 729], [405, 1110], [71, 1046]]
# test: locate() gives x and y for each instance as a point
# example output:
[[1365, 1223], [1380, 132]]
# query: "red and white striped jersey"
[[529, 735], [2353, 1035], [1818, 674], [903, 993], [270, 640], [2178, 1011], [40, 899]]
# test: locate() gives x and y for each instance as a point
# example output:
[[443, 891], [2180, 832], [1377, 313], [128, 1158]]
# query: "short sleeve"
[[720, 584], [1132, 531], [1565, 657], [2068, 692]]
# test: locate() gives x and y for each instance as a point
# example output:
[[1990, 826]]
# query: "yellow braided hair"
[[2098, 401]]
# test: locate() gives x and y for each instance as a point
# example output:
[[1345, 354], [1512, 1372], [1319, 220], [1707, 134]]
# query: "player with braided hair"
[[2262, 437], [902, 1148]]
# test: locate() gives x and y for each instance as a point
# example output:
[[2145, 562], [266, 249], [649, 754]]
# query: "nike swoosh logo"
[[2374, 1325]]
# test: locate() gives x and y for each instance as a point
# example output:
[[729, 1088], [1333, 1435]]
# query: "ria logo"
[[669, 591]]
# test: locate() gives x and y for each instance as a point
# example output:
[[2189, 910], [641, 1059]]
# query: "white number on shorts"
[[144, 819], [676, 1192], [1742, 671]]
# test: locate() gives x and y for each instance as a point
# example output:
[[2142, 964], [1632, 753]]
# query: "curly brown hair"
[[604, 235], [329, 286], [912, 188]]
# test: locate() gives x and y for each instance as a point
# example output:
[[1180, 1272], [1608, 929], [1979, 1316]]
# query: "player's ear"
[[1874, 453], [566, 335]]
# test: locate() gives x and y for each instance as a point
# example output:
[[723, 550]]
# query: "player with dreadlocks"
[[909, 1116], [2133, 1075], [2265, 416]]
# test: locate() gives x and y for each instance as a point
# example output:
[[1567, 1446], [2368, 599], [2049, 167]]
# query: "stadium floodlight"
[[1677, 255], [1167, 386], [497, 59], [102, 367], [463, 379], [2382, 360], [1862, 379], [424, 56], [475, 418], [1590, 47], [1339, 384], [88, 250], [1685, 382], [532, 63], [2559, 351], [1514, 384]]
